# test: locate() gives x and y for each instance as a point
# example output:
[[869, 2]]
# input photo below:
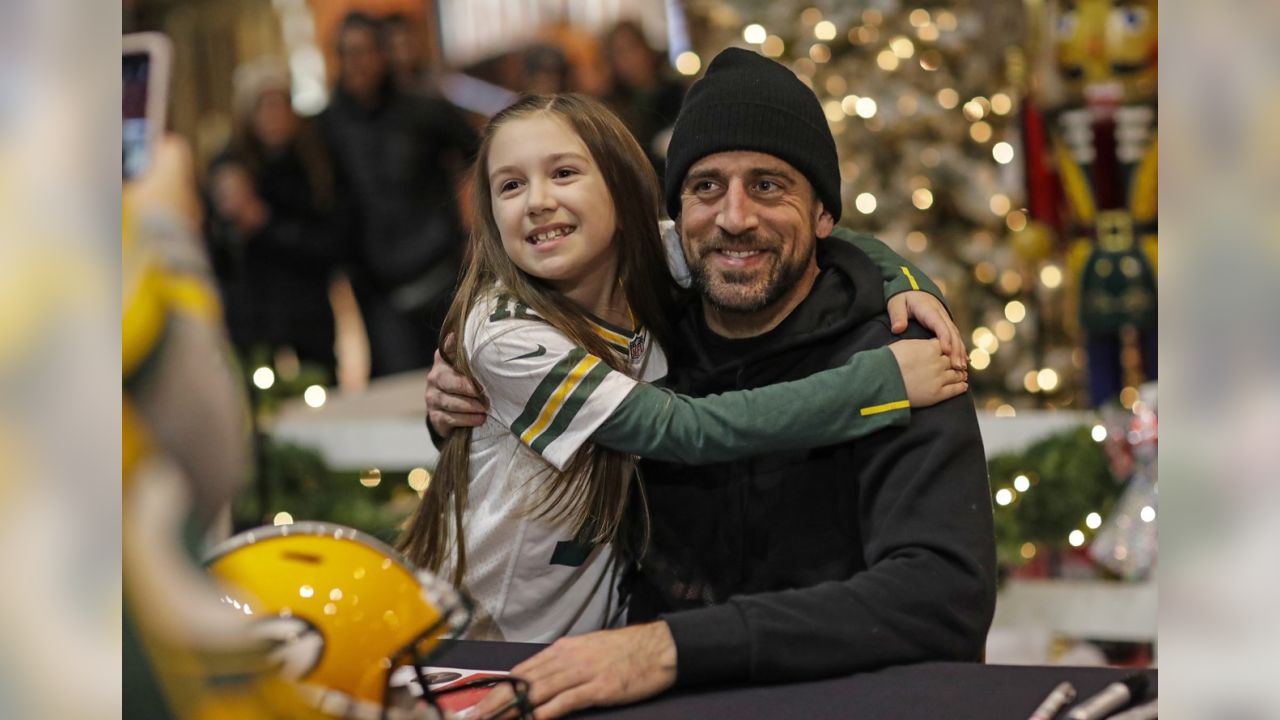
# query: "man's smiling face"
[[748, 224]]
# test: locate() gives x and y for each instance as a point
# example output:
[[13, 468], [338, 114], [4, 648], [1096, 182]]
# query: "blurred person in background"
[[274, 229], [409, 66], [400, 154], [546, 70], [643, 92]]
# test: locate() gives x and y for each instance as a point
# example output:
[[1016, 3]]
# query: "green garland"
[[1069, 479], [294, 479]]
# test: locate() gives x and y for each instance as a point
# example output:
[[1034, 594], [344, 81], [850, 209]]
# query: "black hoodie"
[[830, 560]]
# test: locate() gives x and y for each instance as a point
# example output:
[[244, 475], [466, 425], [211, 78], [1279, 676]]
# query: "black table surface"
[[954, 691]]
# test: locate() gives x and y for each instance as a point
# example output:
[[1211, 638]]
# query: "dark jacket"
[[826, 561], [275, 283], [395, 161], [647, 113]]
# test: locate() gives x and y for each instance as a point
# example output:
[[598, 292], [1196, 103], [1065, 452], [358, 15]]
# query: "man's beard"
[[745, 291]]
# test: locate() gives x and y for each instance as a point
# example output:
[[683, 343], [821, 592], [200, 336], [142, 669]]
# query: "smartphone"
[[146, 59]]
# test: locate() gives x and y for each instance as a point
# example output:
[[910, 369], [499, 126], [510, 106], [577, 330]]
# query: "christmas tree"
[[924, 103]]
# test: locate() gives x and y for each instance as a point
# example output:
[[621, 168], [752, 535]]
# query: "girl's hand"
[[932, 314], [927, 372]]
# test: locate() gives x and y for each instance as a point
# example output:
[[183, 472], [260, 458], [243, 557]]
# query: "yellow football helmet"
[[342, 611]]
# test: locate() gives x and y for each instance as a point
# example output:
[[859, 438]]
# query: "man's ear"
[[824, 224]]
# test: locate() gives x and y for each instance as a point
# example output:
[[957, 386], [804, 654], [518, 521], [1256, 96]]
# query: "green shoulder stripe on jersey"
[[558, 398], [533, 407], [570, 409]]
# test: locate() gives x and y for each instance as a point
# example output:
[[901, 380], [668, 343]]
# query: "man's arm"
[[452, 399], [611, 667]]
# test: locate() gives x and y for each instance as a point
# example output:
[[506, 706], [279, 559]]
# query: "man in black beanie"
[[791, 566]]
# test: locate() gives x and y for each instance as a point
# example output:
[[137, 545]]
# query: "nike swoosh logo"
[[542, 350]]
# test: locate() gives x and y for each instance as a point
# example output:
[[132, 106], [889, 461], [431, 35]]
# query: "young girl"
[[560, 317]]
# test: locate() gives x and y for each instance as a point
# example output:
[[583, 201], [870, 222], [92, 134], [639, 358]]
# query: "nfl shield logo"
[[637, 347]]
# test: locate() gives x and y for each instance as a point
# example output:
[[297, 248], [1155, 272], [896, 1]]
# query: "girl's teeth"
[[543, 237]]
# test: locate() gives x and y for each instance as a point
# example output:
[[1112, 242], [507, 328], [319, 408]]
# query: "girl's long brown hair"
[[594, 490]]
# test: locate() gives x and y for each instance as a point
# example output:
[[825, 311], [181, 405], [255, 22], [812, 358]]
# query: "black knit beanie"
[[746, 101]]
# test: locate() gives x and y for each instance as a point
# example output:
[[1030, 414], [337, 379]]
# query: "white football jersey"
[[532, 582]]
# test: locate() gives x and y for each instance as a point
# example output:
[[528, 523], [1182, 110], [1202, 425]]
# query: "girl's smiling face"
[[552, 207]]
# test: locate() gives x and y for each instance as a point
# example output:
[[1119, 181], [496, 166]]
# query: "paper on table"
[[458, 703]]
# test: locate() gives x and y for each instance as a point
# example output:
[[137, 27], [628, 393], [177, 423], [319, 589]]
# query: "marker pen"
[[1111, 698], [1142, 712], [1053, 702]]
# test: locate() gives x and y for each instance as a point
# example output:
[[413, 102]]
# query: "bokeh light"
[[688, 63], [314, 396], [264, 378]]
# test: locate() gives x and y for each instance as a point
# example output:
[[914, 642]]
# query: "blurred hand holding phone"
[[158, 171], [146, 59]]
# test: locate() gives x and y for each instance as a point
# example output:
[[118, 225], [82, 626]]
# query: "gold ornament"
[[1033, 242]]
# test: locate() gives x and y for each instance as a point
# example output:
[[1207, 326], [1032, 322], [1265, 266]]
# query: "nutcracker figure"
[[1104, 141]]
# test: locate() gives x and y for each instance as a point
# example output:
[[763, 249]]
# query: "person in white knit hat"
[[275, 231]]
